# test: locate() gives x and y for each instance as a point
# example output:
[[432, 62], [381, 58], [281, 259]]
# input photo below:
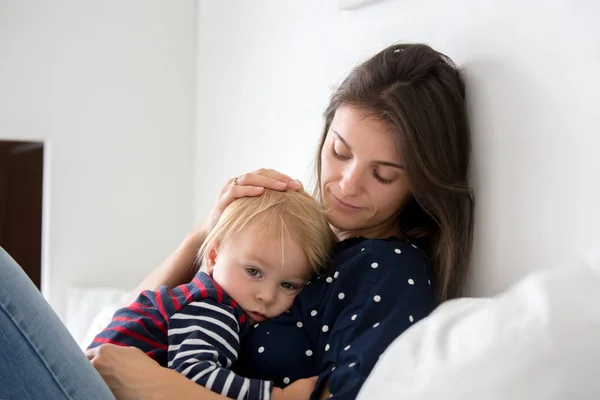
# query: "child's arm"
[[139, 325], [203, 344]]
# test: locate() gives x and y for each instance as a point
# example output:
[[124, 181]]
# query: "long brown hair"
[[420, 94]]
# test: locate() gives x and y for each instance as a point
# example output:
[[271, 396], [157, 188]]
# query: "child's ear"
[[211, 258]]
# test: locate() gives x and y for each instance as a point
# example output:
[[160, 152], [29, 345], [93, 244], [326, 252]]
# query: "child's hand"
[[299, 390]]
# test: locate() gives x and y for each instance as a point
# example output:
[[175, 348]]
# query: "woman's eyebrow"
[[384, 163], [342, 139], [388, 164]]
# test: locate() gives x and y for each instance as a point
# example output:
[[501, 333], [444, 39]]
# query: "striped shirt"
[[193, 329]]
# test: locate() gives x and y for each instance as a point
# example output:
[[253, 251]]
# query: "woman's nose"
[[351, 181]]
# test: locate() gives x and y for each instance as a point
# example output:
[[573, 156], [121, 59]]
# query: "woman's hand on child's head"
[[267, 178], [247, 185]]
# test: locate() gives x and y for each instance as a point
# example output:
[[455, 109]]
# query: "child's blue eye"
[[289, 286], [253, 272]]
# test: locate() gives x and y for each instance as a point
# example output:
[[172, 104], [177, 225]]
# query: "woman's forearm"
[[176, 386], [177, 269]]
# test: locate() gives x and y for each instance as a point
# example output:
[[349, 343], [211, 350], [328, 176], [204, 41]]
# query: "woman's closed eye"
[[380, 178], [339, 156], [254, 272]]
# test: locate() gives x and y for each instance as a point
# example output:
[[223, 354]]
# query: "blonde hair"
[[278, 214]]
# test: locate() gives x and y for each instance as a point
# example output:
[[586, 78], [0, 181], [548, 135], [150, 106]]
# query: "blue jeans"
[[38, 357]]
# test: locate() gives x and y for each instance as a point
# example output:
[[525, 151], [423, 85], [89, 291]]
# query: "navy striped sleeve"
[[141, 325], [203, 344]]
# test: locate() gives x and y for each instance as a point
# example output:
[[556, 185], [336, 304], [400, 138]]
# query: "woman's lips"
[[345, 206]]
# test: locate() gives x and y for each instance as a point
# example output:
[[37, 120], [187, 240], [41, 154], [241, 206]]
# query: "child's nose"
[[266, 295]]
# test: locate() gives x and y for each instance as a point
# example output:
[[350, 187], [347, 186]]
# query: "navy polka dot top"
[[342, 321]]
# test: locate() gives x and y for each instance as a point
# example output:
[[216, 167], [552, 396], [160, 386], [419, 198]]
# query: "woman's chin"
[[343, 223]]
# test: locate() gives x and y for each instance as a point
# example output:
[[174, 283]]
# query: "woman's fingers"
[[247, 185], [91, 353], [253, 184], [236, 191], [270, 179]]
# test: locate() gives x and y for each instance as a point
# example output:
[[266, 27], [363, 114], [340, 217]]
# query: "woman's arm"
[[131, 374], [177, 268]]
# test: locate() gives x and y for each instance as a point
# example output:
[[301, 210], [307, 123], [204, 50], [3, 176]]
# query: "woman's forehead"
[[363, 132]]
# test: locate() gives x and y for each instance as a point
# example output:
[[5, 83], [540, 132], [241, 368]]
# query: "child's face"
[[255, 273]]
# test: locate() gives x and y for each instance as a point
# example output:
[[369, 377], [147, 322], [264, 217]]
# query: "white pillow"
[[87, 308], [101, 321], [538, 340]]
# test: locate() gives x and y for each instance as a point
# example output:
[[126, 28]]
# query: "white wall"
[[265, 69], [109, 85]]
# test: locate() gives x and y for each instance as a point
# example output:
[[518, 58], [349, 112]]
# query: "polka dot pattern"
[[370, 283]]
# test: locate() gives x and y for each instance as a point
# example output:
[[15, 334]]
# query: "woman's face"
[[363, 183]]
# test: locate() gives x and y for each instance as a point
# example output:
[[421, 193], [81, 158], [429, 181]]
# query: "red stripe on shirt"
[[161, 307], [137, 307], [187, 294], [138, 321], [175, 302], [201, 287], [105, 340], [218, 289], [137, 336], [219, 293]]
